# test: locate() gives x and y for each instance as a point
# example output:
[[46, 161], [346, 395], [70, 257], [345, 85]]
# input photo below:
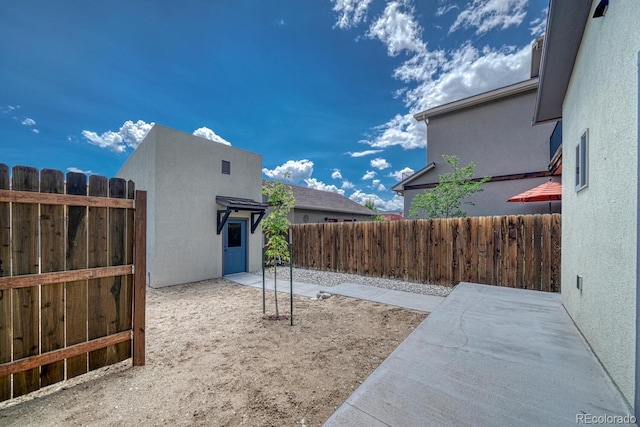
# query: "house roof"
[[308, 198], [318, 200], [399, 187], [565, 25], [492, 95], [392, 216]]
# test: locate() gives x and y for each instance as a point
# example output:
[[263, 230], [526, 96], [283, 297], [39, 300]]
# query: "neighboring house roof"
[[392, 216], [565, 26], [482, 98], [318, 200], [399, 187]]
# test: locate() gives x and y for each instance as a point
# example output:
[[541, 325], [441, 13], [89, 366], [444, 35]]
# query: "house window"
[[582, 161], [226, 167]]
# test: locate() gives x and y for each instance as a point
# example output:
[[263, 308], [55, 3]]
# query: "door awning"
[[235, 204]]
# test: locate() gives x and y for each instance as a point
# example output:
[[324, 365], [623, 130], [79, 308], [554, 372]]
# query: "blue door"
[[235, 248]]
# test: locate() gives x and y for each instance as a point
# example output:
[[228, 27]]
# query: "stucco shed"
[[204, 201]]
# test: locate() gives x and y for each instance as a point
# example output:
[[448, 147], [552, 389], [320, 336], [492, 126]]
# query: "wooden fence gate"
[[514, 251], [72, 276]]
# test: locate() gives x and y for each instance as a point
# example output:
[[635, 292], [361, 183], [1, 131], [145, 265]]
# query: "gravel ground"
[[329, 279]]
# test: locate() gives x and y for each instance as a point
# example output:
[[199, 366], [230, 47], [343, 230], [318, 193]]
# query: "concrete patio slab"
[[249, 279], [487, 356], [403, 299], [409, 300]]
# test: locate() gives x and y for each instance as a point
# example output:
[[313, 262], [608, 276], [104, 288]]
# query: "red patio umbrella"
[[546, 192]]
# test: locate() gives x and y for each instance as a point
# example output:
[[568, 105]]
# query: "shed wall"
[[188, 177]]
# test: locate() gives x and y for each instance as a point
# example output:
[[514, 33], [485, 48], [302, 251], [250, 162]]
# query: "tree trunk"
[[275, 289]]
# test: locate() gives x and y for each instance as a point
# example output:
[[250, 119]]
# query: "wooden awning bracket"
[[235, 204], [221, 222], [256, 221]]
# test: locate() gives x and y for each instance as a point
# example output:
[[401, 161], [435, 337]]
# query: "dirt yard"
[[212, 359]]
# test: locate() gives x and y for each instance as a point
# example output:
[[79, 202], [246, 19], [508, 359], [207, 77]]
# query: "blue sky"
[[323, 89]]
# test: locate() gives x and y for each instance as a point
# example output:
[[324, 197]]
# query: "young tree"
[[276, 226], [369, 204], [444, 200]]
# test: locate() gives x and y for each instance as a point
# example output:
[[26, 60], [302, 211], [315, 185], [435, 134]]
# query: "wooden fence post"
[[139, 279], [5, 295]]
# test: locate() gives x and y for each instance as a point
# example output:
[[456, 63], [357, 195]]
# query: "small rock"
[[323, 295]]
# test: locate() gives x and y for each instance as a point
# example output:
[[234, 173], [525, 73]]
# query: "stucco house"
[[313, 206], [589, 79], [492, 130], [204, 206]]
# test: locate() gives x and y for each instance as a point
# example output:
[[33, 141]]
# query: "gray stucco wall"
[[599, 223], [496, 136], [186, 174], [493, 199]]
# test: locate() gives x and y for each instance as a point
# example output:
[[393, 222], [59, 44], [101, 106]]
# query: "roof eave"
[[481, 98], [399, 187], [328, 209], [563, 35]]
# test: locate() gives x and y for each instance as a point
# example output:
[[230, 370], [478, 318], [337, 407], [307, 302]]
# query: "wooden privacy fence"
[[513, 251], [72, 276]]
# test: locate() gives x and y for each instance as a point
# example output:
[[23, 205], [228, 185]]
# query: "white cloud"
[[28, 122], [471, 71], [350, 12], [376, 184], [443, 76], [468, 71], [380, 163], [133, 133], [205, 132], [336, 174], [299, 170], [485, 15], [398, 30], [347, 185], [8, 109], [35, 130], [401, 174], [363, 153], [395, 204], [403, 131], [77, 170], [442, 10], [538, 26], [319, 185], [369, 175], [129, 135]]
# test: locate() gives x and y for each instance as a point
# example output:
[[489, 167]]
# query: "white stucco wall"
[[599, 222], [187, 178]]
